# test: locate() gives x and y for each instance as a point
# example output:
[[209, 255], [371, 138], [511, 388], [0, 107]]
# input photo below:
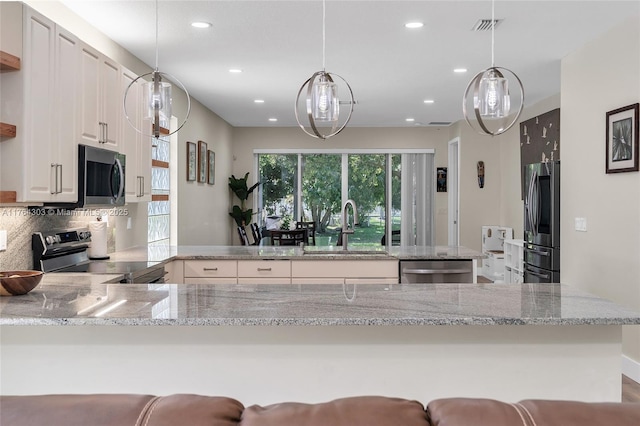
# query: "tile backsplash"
[[20, 223]]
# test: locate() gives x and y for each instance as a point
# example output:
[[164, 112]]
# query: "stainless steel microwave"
[[101, 177]]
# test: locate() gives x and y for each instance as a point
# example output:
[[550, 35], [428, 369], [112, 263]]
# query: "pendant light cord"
[[323, 33], [493, 29], [156, 35]]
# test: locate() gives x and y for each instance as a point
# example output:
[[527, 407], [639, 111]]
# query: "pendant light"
[[491, 95], [156, 98], [322, 104]]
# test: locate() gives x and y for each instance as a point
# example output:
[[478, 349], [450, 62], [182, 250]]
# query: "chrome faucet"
[[345, 225]]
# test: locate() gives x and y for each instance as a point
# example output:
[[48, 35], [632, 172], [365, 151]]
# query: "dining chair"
[[311, 231], [244, 240], [257, 234]]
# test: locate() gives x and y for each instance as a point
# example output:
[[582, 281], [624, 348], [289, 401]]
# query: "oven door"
[[100, 177]]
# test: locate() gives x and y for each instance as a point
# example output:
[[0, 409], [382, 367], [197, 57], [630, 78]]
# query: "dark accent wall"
[[539, 140]]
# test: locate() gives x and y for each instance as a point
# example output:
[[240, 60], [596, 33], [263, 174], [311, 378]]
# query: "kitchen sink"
[[339, 251]]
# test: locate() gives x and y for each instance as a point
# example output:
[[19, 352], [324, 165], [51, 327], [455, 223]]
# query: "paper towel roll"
[[98, 245]]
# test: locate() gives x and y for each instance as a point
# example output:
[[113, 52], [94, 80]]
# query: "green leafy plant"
[[240, 213]]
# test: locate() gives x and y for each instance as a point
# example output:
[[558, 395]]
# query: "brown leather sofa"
[[196, 410]]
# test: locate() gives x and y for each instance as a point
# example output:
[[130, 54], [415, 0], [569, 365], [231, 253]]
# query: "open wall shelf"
[[8, 62]]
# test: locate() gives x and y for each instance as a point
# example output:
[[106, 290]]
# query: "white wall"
[[245, 140], [202, 208], [602, 76]]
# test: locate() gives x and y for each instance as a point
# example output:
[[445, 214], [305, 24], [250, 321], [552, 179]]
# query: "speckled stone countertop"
[[169, 253], [310, 305]]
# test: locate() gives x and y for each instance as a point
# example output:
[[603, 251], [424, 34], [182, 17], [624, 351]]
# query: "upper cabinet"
[[134, 145], [100, 100], [40, 163]]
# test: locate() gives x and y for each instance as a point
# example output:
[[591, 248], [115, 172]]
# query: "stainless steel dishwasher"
[[436, 271]]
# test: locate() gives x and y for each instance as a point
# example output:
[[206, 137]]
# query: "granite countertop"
[[310, 305], [375, 252]]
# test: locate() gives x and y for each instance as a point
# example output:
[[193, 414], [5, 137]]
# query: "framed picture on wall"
[[192, 156], [211, 169], [441, 179], [202, 162], [622, 139]]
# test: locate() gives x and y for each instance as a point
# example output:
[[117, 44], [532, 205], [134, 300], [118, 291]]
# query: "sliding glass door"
[[393, 193]]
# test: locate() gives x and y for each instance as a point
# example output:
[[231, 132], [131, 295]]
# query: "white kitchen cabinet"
[[101, 100], [174, 272], [210, 271], [40, 163], [513, 261], [344, 271], [134, 145], [264, 272]]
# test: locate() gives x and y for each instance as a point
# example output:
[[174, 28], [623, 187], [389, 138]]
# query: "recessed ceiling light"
[[413, 25], [200, 24], [410, 120], [273, 119], [259, 101], [460, 70], [235, 70], [428, 101]]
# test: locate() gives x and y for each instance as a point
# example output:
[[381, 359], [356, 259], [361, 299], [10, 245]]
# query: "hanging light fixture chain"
[[324, 6], [493, 30], [156, 35]]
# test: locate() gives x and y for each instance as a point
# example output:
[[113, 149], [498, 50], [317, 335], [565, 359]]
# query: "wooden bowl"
[[13, 283]]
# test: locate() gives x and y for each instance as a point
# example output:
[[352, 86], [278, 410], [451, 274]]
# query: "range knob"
[[50, 239], [84, 235]]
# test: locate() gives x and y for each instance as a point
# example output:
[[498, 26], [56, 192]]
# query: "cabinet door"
[[112, 95], [90, 128], [130, 137], [67, 64], [38, 50]]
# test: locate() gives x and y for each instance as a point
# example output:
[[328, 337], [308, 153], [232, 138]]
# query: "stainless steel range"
[[65, 250]]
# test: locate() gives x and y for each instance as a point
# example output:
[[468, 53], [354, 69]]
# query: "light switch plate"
[[581, 224], [3, 240]]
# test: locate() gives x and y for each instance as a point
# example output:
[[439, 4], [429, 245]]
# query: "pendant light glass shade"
[[324, 99], [157, 97], [491, 97]]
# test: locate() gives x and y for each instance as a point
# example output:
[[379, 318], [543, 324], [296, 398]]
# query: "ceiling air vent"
[[439, 123], [485, 24]]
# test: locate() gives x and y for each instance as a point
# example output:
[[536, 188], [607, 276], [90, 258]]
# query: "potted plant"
[[240, 214]]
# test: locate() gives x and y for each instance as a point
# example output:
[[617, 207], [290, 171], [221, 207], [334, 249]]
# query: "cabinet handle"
[[209, 269], [264, 269], [106, 132], [101, 137], [59, 188], [55, 178]]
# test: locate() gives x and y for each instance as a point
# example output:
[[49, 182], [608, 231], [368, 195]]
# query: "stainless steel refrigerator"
[[542, 222]]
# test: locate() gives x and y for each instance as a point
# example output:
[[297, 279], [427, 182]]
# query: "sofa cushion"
[[192, 410], [72, 410], [572, 413], [354, 411], [474, 411]]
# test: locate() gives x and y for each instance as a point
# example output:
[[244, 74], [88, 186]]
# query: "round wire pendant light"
[[323, 104], [492, 101], [321, 101], [157, 99], [491, 95]]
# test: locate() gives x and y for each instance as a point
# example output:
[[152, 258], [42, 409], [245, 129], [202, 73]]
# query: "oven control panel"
[[47, 240]]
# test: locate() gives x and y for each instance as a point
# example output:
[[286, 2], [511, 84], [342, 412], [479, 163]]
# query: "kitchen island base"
[[268, 364]]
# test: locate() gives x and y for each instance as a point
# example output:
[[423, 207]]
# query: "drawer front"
[[302, 281], [264, 268], [279, 280], [226, 280], [344, 269], [210, 268]]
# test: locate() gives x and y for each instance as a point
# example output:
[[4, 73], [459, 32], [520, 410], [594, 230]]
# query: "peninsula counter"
[[269, 343]]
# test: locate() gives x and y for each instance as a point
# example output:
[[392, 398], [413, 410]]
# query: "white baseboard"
[[631, 368]]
